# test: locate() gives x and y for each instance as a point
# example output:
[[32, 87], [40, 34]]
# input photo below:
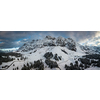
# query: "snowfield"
[[66, 58], [93, 68]]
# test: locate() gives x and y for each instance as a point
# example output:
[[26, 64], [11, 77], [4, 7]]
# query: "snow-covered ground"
[[93, 68], [39, 54]]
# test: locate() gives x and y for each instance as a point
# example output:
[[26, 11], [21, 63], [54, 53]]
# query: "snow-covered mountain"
[[49, 41], [58, 51], [90, 49]]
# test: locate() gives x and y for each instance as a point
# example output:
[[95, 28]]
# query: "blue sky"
[[13, 39]]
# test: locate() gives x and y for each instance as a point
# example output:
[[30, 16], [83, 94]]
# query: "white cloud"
[[97, 34], [93, 42], [9, 49], [18, 42]]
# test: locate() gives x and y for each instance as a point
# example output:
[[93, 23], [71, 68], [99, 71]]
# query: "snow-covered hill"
[[62, 51]]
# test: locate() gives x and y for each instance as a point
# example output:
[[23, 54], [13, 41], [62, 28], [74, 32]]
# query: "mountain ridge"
[[49, 41], [60, 41]]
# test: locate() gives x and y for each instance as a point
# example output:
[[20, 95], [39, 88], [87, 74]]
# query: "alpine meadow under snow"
[[52, 53]]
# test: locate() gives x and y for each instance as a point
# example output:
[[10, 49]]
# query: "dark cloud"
[[10, 39], [81, 36]]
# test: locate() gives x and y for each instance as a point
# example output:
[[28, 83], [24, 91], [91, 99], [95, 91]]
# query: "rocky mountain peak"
[[61, 38], [71, 44], [49, 41], [50, 37]]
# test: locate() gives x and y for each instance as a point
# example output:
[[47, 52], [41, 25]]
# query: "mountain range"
[[53, 53], [49, 41]]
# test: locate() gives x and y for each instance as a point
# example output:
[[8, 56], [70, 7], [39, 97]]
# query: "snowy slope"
[[66, 58]]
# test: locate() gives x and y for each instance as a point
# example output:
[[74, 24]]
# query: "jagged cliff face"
[[49, 41]]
